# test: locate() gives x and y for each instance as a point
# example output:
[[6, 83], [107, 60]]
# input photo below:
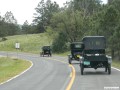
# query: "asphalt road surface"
[[53, 73]]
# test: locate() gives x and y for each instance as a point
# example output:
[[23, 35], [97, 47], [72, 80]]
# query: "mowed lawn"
[[10, 67], [30, 43]]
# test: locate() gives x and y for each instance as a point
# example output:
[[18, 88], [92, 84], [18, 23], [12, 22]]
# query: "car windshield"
[[46, 47], [77, 45]]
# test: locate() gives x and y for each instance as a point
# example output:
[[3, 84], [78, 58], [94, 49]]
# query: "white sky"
[[23, 9]]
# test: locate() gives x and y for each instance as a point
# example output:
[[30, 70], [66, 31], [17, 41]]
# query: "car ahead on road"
[[76, 51], [94, 55], [46, 50]]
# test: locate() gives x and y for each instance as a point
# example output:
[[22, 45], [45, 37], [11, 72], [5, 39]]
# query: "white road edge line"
[[116, 69], [18, 74]]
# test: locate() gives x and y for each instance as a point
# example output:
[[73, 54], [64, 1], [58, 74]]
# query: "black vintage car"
[[76, 51], [46, 50], [94, 55]]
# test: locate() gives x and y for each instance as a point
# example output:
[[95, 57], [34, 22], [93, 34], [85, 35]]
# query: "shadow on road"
[[86, 73]]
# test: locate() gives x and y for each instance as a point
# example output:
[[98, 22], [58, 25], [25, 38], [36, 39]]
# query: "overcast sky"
[[23, 9]]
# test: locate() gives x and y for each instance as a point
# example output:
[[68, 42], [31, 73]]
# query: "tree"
[[25, 27], [44, 12], [72, 24], [9, 18], [108, 25], [88, 6]]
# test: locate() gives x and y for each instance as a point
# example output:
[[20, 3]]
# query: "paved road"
[[95, 79], [47, 74]]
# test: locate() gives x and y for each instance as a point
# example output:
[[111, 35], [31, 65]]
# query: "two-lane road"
[[52, 73], [46, 74], [94, 79]]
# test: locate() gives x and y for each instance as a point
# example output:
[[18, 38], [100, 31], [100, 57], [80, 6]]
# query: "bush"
[[4, 38], [59, 44]]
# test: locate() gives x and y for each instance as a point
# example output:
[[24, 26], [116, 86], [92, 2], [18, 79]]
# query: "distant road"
[[50, 74]]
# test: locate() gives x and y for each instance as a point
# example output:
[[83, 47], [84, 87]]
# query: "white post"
[[17, 46]]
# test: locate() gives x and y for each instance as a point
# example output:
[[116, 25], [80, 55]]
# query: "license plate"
[[86, 63], [78, 56]]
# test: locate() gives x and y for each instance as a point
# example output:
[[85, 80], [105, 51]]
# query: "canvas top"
[[94, 42]]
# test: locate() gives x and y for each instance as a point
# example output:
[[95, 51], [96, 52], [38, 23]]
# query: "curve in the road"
[[116, 69], [72, 78]]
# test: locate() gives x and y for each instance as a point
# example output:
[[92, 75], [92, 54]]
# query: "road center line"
[[72, 74], [72, 78]]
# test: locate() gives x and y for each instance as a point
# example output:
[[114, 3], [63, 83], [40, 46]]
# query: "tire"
[[109, 69], [40, 54], [69, 60], [82, 68], [105, 69], [50, 55]]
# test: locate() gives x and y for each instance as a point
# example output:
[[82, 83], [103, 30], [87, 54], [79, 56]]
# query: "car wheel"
[[105, 69], [109, 68], [82, 68], [69, 60]]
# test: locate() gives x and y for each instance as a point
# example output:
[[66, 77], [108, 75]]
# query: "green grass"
[[10, 67], [31, 43], [63, 54], [116, 64]]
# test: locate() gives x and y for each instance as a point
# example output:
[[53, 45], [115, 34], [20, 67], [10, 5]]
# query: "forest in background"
[[78, 18]]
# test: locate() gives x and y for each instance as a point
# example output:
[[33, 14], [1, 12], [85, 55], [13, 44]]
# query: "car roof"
[[88, 42], [76, 42], [93, 37]]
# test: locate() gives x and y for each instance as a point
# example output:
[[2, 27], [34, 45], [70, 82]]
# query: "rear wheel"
[[109, 68], [40, 54], [69, 60], [82, 68], [50, 55], [105, 69]]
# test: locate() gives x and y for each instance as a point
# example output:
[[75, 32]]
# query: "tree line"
[[70, 23], [9, 26], [79, 18]]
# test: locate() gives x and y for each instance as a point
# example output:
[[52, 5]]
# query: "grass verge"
[[63, 54], [31, 43], [116, 64], [10, 67]]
